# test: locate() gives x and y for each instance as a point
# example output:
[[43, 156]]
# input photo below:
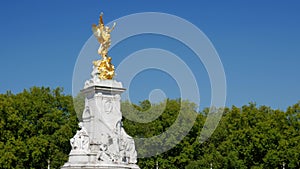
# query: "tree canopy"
[[36, 125], [248, 137]]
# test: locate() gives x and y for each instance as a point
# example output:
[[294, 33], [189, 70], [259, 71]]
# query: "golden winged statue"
[[102, 33]]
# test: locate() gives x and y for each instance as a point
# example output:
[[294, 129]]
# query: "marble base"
[[100, 166], [79, 158], [102, 142]]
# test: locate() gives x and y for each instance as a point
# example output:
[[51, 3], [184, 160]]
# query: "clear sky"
[[258, 43]]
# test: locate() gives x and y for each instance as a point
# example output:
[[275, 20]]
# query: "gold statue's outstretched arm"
[[113, 27]]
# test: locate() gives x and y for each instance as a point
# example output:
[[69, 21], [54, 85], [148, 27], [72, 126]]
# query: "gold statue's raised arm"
[[102, 33], [101, 19]]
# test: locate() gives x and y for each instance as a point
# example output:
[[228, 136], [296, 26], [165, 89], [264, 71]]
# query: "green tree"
[[35, 126], [252, 137]]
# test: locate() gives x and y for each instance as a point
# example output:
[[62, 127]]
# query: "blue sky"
[[258, 43]]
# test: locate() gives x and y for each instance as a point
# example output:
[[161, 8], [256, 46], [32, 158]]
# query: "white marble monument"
[[101, 142]]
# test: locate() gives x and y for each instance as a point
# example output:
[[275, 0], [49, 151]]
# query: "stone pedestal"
[[102, 141]]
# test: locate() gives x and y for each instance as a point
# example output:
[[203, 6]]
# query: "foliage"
[[247, 137], [253, 137], [36, 125], [79, 102]]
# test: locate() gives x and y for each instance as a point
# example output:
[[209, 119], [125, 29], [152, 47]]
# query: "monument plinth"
[[102, 142]]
